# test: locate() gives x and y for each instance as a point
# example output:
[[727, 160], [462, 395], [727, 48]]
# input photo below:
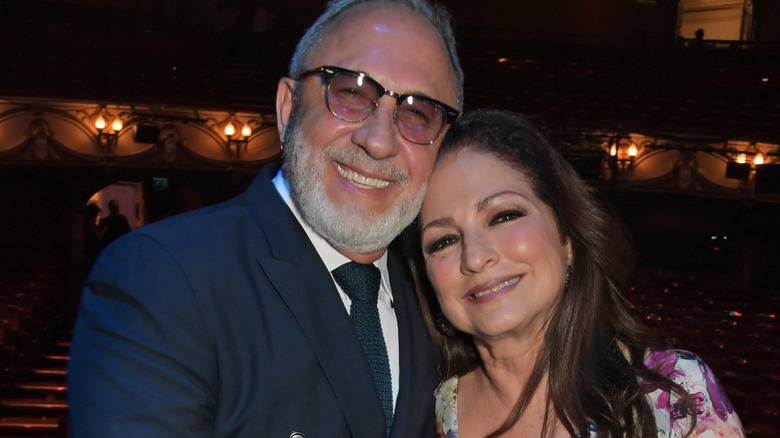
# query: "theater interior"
[[168, 106]]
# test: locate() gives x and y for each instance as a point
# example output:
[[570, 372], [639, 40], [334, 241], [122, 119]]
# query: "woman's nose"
[[478, 253]]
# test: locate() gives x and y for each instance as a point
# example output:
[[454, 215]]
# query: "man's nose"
[[378, 135]]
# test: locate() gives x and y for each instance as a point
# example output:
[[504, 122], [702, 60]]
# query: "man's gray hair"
[[434, 14]]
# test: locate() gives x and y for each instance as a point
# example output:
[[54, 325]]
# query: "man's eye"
[[441, 243], [506, 216], [350, 94]]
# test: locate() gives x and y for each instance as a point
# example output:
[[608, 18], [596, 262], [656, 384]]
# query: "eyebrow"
[[481, 205], [441, 222], [394, 93]]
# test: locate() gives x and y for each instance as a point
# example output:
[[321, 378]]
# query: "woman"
[[523, 298]]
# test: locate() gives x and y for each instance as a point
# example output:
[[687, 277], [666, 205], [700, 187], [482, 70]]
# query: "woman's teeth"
[[509, 282]]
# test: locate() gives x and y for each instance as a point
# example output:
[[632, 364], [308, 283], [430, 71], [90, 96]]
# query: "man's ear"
[[284, 104]]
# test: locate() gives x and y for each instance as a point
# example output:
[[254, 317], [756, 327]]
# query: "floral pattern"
[[447, 409], [714, 413], [715, 416]]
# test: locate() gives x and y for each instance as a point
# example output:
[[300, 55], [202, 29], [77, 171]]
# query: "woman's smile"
[[500, 287]]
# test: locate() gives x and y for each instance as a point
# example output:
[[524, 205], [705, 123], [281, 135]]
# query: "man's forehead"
[[394, 46]]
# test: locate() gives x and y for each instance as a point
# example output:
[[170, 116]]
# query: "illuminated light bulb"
[[230, 130], [613, 150], [117, 125], [759, 159], [632, 151], [100, 123], [741, 158], [246, 131]]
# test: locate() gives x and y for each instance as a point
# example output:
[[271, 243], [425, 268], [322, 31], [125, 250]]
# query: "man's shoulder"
[[198, 219], [221, 217]]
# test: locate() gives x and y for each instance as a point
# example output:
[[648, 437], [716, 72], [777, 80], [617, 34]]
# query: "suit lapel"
[[414, 355], [300, 278]]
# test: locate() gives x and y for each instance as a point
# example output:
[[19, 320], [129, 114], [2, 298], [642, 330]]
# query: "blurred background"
[[670, 108]]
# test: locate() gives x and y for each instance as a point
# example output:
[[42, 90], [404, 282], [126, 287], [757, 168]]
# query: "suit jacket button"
[[297, 435]]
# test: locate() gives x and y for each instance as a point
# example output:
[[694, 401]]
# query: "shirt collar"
[[329, 255]]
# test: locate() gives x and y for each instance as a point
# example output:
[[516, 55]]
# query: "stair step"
[[42, 386], [33, 407], [49, 360], [41, 427], [58, 372], [50, 348], [42, 375], [48, 390], [26, 423], [56, 357]]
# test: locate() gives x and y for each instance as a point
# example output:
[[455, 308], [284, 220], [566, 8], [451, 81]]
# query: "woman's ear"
[[284, 104]]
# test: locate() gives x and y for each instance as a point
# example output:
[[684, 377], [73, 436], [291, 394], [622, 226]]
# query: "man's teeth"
[[362, 181], [500, 286]]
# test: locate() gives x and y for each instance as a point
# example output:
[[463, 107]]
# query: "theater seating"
[[736, 332]]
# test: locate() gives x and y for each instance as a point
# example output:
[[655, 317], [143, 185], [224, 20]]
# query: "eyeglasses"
[[353, 97]]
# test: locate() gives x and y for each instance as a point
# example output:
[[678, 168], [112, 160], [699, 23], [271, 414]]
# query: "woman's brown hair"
[[593, 348]]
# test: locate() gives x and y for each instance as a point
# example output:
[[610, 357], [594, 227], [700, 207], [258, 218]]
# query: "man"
[[112, 226], [227, 321]]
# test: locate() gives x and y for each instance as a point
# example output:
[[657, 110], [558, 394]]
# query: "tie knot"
[[359, 281]]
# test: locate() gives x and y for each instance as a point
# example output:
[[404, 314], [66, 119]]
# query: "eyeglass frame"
[[330, 71]]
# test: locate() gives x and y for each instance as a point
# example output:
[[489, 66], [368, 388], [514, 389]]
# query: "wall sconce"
[[622, 156], [107, 138], [237, 143], [741, 167]]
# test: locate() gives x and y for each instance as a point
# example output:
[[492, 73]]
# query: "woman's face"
[[492, 248]]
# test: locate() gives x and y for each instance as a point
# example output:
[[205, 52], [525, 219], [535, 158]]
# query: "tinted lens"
[[352, 97], [419, 119]]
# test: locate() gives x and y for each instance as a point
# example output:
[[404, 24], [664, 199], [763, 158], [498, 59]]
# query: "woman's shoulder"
[[714, 410], [447, 408], [669, 357]]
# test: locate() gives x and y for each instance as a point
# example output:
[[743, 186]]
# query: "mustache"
[[357, 157]]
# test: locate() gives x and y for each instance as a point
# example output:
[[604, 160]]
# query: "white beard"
[[347, 227]]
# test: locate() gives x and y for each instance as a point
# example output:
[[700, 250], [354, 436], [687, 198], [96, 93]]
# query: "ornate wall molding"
[[71, 132]]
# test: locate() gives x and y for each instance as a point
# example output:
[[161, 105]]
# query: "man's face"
[[359, 184]]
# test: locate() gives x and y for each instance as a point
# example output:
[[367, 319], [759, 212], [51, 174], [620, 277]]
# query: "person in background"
[[112, 226], [521, 271], [281, 313]]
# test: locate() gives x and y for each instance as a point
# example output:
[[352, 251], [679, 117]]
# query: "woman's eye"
[[506, 216], [441, 243]]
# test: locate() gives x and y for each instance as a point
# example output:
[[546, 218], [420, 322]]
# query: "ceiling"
[[634, 79]]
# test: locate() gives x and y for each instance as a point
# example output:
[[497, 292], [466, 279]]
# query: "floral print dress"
[[715, 415]]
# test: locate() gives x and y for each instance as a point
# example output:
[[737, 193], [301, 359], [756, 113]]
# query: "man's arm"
[[142, 362]]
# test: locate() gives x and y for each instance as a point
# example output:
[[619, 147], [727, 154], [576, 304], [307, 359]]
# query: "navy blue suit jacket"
[[224, 322]]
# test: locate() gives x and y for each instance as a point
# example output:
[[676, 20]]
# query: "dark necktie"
[[361, 283]]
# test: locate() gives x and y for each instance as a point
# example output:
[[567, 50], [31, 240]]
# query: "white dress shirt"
[[333, 259]]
